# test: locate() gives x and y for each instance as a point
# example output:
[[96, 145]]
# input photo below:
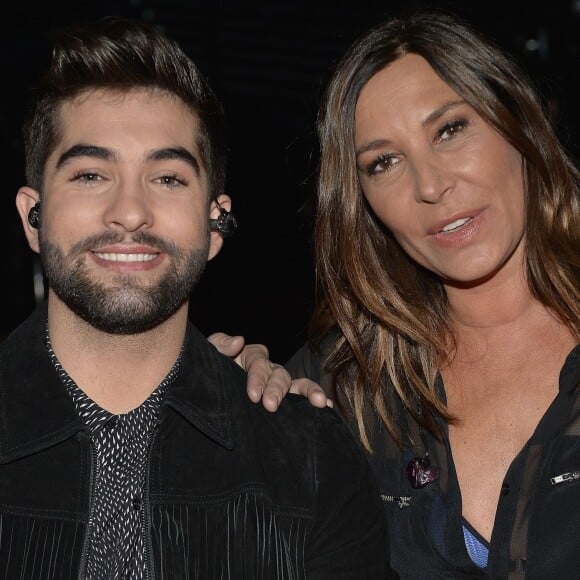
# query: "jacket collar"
[[36, 411], [202, 389]]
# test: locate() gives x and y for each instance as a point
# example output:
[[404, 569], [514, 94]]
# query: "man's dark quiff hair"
[[120, 54]]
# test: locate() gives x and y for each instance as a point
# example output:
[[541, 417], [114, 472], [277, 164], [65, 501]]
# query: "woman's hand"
[[267, 381]]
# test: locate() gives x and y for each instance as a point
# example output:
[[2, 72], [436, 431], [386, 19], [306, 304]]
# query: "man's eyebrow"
[[105, 154], [86, 150], [175, 153]]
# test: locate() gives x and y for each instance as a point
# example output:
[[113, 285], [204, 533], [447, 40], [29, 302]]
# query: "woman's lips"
[[457, 230]]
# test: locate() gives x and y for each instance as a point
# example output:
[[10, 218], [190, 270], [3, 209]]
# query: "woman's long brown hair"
[[389, 314]]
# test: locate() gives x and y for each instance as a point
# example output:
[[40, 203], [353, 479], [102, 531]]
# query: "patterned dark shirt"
[[121, 445]]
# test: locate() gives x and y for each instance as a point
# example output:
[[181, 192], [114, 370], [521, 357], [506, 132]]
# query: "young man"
[[128, 446]]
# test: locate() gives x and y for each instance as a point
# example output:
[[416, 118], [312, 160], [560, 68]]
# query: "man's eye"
[[87, 177], [171, 180]]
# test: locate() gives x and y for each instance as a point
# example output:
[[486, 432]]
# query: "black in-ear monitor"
[[225, 224], [34, 215]]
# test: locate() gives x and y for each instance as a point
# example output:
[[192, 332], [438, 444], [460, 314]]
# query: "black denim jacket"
[[234, 492]]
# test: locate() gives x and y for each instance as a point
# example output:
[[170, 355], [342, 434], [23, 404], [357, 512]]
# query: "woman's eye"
[[451, 129], [381, 164]]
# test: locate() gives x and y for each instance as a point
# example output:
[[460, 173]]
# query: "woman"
[[447, 325]]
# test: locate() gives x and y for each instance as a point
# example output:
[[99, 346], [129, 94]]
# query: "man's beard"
[[122, 306]]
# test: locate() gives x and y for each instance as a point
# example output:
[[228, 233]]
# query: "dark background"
[[268, 62]]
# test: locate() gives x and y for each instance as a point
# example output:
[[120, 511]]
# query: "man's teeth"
[[126, 257], [456, 224]]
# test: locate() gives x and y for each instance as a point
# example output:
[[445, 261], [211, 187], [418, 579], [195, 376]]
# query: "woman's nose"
[[432, 181]]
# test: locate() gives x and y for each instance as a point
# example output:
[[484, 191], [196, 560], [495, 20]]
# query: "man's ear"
[[216, 208], [26, 199]]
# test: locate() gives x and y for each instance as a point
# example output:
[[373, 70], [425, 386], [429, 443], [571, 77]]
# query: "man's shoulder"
[[301, 424]]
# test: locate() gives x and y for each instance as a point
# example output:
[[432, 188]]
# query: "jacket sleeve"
[[349, 537]]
